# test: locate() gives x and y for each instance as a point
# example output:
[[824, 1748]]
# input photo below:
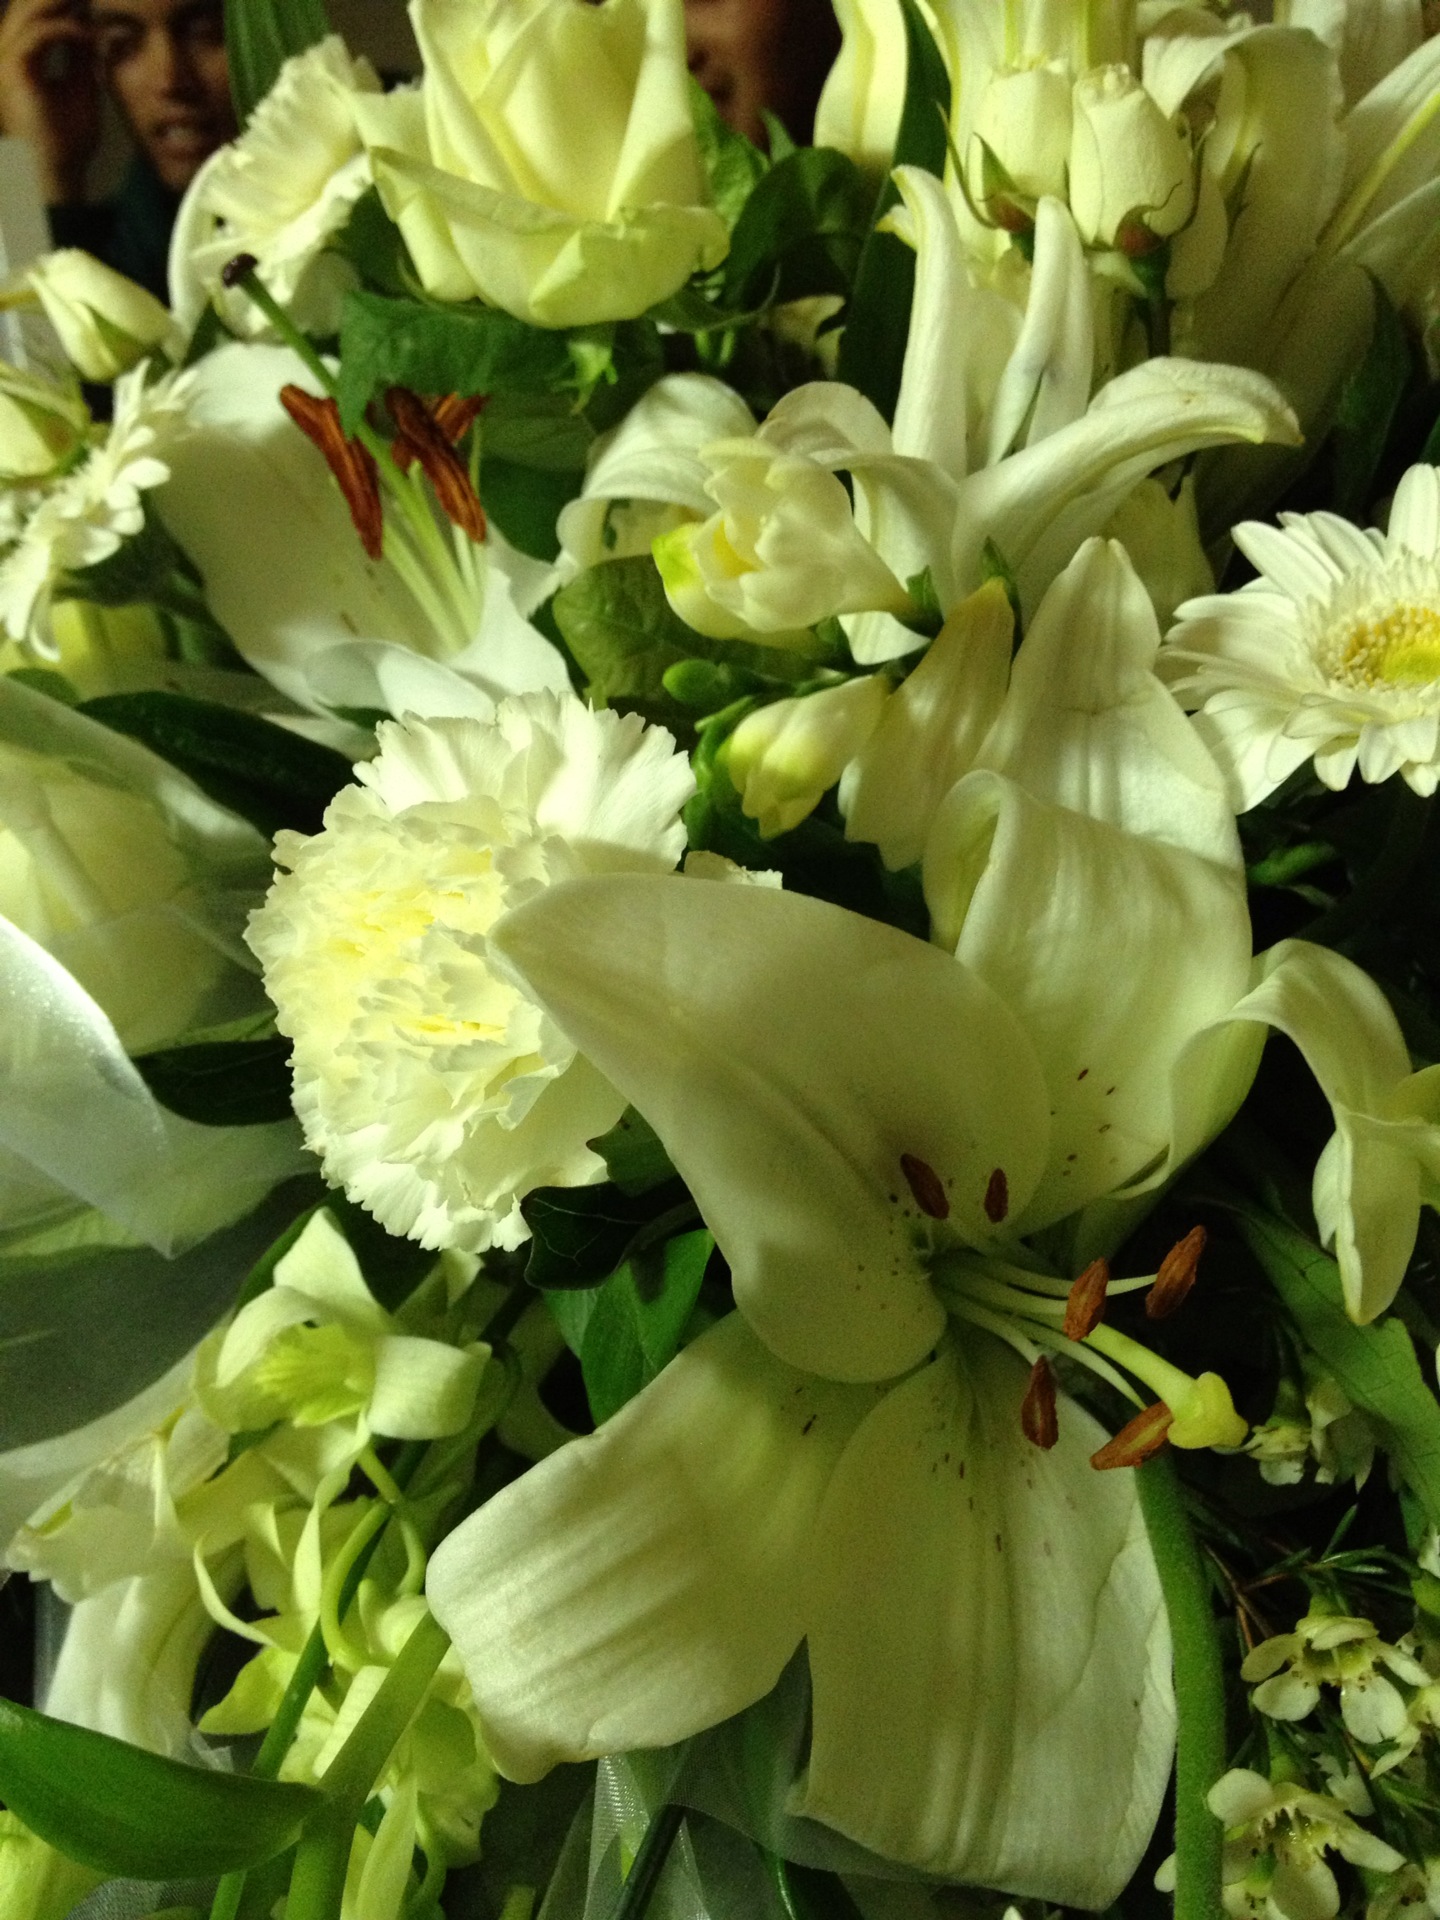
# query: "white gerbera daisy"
[[435, 1090], [1332, 653], [85, 516]]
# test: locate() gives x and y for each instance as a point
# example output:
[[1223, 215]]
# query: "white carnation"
[[434, 1090], [281, 192], [85, 516]]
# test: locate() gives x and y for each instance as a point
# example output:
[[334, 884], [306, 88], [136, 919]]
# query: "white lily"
[[251, 501]]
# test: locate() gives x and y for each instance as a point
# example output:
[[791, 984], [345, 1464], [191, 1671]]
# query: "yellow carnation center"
[[1397, 648]]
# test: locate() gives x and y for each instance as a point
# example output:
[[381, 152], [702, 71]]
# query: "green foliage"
[[581, 1235], [121, 1810], [801, 230], [734, 166], [872, 349], [260, 35], [634, 1154], [389, 342], [626, 639], [1375, 1365], [226, 1083], [624, 1332], [1368, 406], [266, 774]]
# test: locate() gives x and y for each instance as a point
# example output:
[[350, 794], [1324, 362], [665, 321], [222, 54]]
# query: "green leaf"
[[637, 1318], [1375, 1365], [734, 166], [1368, 405], [801, 231], [525, 503], [580, 1235], [265, 773], [634, 1154], [235, 1083], [374, 245], [625, 637], [260, 36], [542, 430], [872, 347], [385, 342], [121, 1810], [140, 569]]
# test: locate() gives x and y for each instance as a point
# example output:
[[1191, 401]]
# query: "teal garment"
[[130, 231]]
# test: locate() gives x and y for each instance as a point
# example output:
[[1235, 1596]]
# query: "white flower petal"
[[1289, 1696], [989, 1647], [1372, 1709], [423, 1388], [789, 1053], [648, 1581], [1415, 512]]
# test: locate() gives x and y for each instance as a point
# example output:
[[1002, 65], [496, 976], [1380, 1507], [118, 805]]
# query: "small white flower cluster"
[[1315, 1423], [86, 510]]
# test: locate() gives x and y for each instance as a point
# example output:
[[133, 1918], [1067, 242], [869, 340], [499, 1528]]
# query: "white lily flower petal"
[[1025, 894], [1091, 728], [423, 1389], [789, 1053], [650, 1580], [989, 1648], [931, 730], [1415, 512], [1047, 378], [931, 413]]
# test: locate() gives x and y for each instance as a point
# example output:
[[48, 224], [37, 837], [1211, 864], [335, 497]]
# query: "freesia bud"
[[784, 758], [1129, 166], [1024, 120], [782, 553], [105, 323], [42, 427]]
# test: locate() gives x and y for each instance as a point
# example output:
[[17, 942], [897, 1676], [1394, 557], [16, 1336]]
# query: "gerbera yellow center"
[[1397, 648]]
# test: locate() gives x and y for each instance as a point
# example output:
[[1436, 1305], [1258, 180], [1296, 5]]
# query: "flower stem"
[[1200, 1749], [648, 1864]]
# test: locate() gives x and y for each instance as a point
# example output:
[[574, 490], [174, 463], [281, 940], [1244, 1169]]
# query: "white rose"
[[104, 322], [547, 161], [1129, 165], [42, 427], [1024, 119]]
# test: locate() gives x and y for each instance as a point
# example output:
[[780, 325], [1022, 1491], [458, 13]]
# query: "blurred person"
[[163, 62], [763, 55]]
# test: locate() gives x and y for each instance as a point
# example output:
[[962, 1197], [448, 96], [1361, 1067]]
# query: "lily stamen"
[[1178, 1272]]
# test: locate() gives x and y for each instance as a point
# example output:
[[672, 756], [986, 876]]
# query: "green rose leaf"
[[268, 775], [222, 1083], [801, 230], [634, 1154], [872, 347], [733, 165], [581, 1235], [260, 36], [1375, 1365], [123, 1811], [385, 342], [628, 1330]]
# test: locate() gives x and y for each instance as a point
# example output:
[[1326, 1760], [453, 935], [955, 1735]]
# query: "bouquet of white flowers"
[[718, 886]]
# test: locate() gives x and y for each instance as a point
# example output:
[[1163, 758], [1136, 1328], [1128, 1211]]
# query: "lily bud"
[[786, 757], [106, 324], [1023, 119], [42, 427], [1130, 168]]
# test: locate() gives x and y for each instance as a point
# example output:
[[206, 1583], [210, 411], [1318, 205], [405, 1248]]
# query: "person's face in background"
[[775, 54], [164, 62]]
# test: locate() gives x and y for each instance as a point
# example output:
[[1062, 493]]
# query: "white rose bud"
[[105, 323], [42, 427], [785, 757], [1130, 167], [548, 162], [782, 553], [1024, 120]]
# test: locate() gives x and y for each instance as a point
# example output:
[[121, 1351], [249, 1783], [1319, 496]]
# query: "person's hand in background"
[[50, 91]]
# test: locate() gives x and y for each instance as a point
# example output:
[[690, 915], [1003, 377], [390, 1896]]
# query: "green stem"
[[317, 1885], [1200, 1750], [648, 1865]]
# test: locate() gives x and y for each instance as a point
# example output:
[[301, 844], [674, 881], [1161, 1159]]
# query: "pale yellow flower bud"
[[105, 323], [786, 757], [42, 427], [1130, 167], [1024, 120]]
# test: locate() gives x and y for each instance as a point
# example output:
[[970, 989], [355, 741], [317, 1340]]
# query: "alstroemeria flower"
[[1331, 654]]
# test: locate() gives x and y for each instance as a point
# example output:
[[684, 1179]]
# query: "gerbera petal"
[[988, 1644], [789, 1054], [648, 1581], [1294, 562]]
